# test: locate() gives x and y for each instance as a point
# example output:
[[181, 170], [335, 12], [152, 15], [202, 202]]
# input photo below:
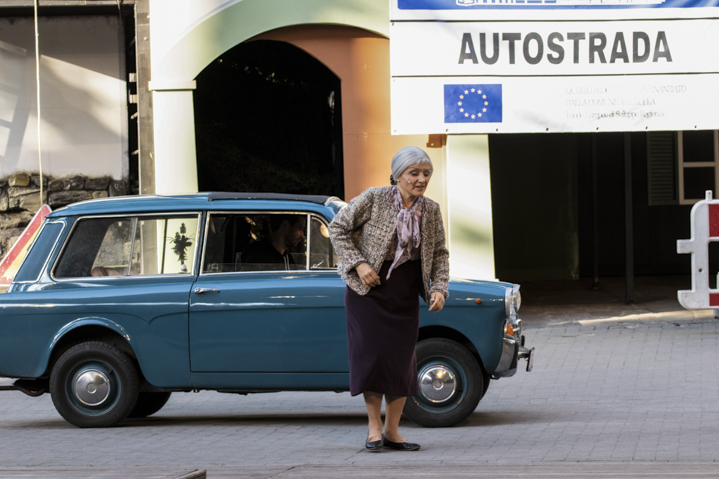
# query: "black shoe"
[[400, 446], [374, 446]]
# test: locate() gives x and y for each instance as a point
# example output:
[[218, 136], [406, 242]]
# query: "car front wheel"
[[148, 403], [451, 384], [94, 384]]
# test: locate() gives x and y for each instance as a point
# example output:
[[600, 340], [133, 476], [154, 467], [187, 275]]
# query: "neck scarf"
[[407, 222]]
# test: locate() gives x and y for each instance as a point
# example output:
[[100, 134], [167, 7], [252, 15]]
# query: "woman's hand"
[[368, 275], [436, 302]]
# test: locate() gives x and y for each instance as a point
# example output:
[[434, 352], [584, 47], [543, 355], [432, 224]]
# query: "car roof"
[[216, 201], [218, 196]]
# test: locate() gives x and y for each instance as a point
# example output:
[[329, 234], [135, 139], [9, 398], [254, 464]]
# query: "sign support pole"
[[628, 219], [595, 216]]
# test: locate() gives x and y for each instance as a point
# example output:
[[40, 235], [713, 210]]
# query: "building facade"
[[294, 96]]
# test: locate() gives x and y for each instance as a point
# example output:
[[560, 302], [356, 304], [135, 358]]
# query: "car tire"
[[486, 377], [94, 384], [451, 384], [148, 403]]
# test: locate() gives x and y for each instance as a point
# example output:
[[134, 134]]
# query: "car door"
[[272, 317]]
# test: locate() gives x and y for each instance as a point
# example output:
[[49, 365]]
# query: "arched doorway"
[[268, 118]]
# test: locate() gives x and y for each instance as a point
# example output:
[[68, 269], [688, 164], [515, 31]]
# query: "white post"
[[471, 247], [174, 128]]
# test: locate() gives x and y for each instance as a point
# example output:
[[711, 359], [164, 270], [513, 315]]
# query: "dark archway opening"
[[268, 119]]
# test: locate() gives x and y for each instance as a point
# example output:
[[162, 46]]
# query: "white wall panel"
[[83, 97]]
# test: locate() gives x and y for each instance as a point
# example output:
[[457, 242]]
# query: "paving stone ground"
[[629, 384]]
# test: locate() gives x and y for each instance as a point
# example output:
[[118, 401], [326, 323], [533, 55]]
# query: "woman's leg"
[[395, 405], [373, 401]]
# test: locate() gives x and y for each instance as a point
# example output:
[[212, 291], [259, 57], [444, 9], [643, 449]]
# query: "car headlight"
[[512, 300]]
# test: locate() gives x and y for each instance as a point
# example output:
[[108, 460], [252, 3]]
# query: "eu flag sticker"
[[473, 103]]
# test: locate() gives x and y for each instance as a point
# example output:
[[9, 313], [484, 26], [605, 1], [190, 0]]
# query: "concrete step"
[[582, 470], [101, 473]]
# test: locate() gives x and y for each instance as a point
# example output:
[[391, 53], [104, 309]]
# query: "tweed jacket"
[[363, 230]]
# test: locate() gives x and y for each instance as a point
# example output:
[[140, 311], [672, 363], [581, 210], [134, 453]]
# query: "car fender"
[[92, 321]]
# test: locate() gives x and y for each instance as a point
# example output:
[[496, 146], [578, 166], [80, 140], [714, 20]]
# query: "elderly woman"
[[390, 241]]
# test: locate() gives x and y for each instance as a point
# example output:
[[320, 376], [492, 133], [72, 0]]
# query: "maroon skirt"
[[382, 331]]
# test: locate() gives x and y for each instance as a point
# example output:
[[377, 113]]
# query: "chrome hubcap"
[[437, 383], [92, 387]]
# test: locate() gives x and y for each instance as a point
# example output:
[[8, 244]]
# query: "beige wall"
[[361, 60]]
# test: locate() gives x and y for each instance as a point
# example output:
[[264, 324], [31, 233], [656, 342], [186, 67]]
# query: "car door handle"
[[206, 290]]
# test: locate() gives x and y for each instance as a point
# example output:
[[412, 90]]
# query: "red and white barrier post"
[[704, 230]]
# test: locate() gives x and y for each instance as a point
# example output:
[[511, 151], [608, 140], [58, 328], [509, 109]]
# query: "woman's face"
[[414, 180]]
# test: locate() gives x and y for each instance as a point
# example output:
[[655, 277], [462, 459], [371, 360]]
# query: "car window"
[[322, 255], [129, 246], [274, 241], [37, 257]]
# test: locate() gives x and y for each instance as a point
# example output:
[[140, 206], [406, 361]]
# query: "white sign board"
[[455, 71]]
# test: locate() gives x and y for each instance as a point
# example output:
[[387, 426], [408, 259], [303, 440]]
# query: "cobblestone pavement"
[[628, 384]]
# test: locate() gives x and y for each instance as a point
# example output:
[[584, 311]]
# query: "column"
[[469, 195], [174, 128]]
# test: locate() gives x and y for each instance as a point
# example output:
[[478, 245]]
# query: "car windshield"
[[336, 204]]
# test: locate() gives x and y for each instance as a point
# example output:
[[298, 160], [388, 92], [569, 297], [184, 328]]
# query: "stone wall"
[[20, 199]]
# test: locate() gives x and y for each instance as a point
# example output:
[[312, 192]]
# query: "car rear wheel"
[[451, 384], [94, 384], [148, 403]]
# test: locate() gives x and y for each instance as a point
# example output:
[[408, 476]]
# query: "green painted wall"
[[212, 36]]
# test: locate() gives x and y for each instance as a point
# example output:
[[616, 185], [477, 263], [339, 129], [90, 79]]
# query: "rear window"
[[33, 265]]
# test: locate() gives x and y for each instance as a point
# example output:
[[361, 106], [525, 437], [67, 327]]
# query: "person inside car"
[[272, 252]]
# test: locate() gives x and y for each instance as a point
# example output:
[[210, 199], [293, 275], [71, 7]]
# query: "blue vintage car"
[[122, 301]]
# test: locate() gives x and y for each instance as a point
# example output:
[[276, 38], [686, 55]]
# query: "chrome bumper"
[[512, 350]]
